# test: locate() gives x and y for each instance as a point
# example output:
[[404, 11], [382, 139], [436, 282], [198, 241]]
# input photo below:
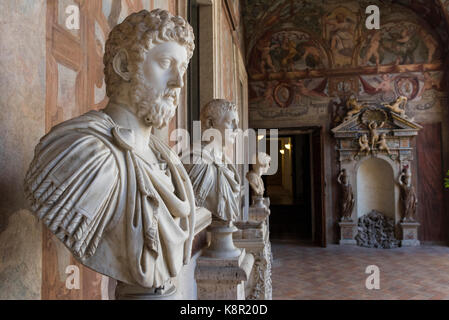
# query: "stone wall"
[[22, 123], [51, 74]]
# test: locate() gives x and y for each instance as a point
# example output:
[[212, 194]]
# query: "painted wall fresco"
[[22, 123], [305, 55], [307, 58], [287, 51], [399, 43], [228, 69], [339, 23]]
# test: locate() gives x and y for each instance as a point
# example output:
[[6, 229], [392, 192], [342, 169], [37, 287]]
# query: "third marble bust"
[[215, 180], [254, 177], [117, 196]]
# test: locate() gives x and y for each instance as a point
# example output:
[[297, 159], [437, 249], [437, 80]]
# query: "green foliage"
[[446, 180]]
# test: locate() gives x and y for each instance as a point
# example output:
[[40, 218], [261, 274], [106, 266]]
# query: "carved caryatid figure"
[[215, 180], [116, 196], [408, 195], [396, 106], [347, 196], [363, 145], [254, 177]]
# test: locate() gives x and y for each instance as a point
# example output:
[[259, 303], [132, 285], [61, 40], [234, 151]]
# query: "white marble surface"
[[114, 194]]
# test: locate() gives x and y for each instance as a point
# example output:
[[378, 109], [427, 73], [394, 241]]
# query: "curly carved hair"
[[138, 33], [215, 110], [261, 158]]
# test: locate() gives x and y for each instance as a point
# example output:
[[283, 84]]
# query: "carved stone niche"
[[374, 148]]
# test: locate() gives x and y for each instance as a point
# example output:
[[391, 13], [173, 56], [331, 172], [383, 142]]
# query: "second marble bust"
[[215, 180]]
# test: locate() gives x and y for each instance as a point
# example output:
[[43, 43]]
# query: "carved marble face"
[[264, 168], [158, 83], [228, 123]]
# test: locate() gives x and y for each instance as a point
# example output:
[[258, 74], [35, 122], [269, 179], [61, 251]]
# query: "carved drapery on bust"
[[117, 197], [117, 213], [215, 180]]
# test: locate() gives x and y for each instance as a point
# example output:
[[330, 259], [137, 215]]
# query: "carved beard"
[[153, 107]]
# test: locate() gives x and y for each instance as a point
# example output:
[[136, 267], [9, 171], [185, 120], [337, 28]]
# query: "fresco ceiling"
[[262, 15], [302, 56]]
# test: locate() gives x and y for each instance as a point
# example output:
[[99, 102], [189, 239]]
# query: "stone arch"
[[376, 186]]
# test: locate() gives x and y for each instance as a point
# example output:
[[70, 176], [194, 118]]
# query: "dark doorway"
[[296, 190]]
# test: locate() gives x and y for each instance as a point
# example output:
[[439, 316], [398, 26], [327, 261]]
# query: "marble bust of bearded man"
[[116, 195], [215, 180]]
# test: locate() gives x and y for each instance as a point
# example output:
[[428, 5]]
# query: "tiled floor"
[[306, 272]]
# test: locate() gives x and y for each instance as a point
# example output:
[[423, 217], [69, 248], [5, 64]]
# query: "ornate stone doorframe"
[[382, 132]]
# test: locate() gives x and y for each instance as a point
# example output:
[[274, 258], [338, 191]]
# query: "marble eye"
[[165, 63]]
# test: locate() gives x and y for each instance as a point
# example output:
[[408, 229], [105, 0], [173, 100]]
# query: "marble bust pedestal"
[[253, 236], [409, 234], [223, 269], [125, 291], [221, 244], [223, 278], [348, 231]]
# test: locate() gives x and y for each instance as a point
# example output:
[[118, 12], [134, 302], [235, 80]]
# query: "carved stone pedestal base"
[[348, 231], [221, 244], [125, 291], [259, 214], [409, 234], [253, 236], [223, 278], [258, 202]]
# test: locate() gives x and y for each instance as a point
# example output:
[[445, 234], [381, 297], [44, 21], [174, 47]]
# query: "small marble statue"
[[347, 199], [117, 196], [408, 196], [254, 177], [215, 180]]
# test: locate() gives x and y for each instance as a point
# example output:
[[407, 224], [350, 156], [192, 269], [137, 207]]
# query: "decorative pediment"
[[370, 141], [395, 124], [375, 130]]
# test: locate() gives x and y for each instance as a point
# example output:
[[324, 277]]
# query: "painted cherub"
[[430, 43], [265, 48], [373, 49], [364, 145]]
